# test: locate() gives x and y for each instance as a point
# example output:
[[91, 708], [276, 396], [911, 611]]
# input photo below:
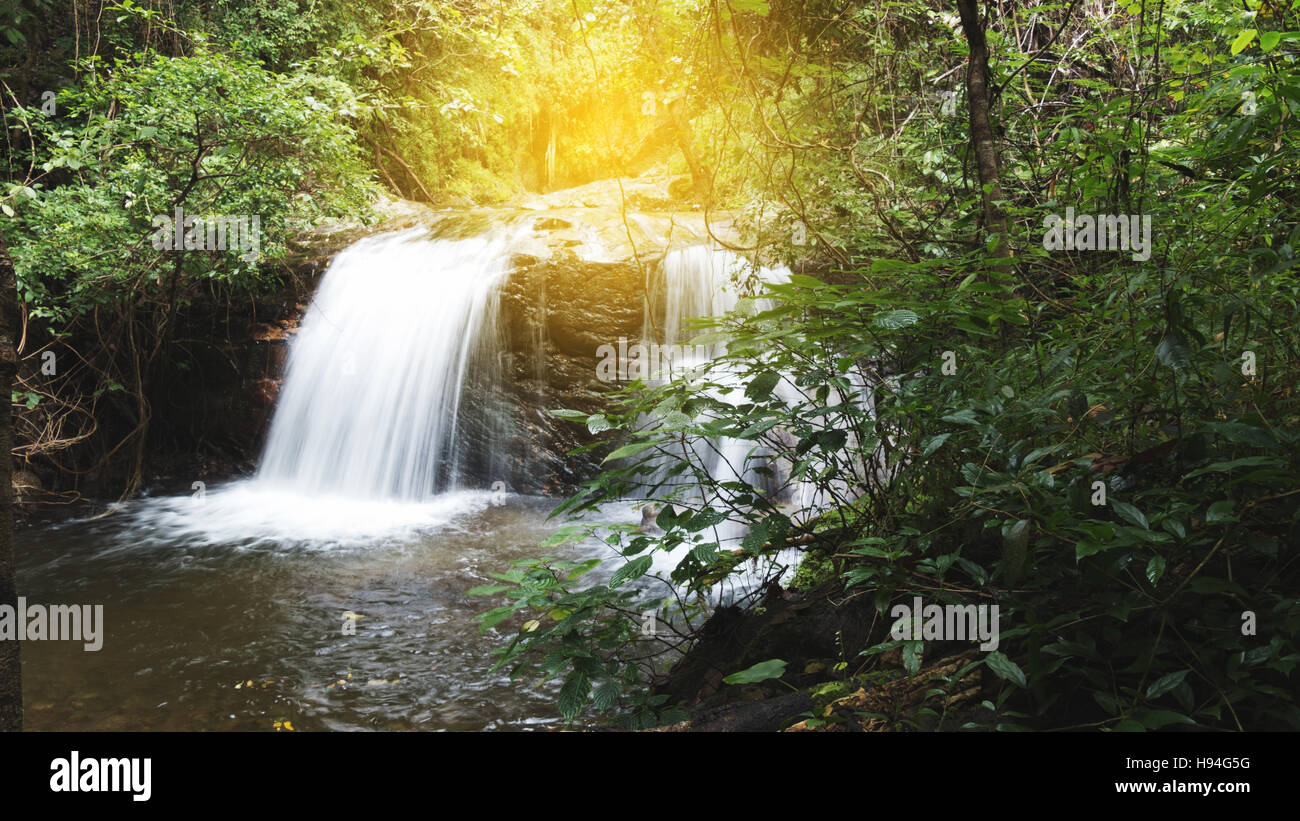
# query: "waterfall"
[[701, 281], [374, 406]]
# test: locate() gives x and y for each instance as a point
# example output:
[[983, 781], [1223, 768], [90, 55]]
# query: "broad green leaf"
[[1243, 40], [1130, 514], [628, 450], [962, 417], [1166, 683], [1005, 668], [573, 695], [1221, 511], [764, 670], [762, 385], [634, 569], [934, 443]]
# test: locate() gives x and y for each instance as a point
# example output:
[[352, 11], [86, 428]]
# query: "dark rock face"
[[557, 313], [212, 407]]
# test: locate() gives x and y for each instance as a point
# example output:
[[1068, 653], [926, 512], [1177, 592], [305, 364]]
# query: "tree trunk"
[[701, 179], [11, 687], [981, 132]]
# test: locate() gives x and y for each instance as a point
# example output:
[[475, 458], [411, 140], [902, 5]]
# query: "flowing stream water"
[[226, 610]]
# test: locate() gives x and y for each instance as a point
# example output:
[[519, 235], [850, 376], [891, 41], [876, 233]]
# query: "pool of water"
[[226, 613]]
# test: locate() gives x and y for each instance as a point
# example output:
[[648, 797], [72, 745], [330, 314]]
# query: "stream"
[[190, 618]]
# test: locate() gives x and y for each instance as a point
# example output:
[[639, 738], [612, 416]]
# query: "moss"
[[814, 569], [823, 694]]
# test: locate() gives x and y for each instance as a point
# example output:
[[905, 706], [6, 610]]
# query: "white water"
[[372, 393], [696, 282], [701, 281], [369, 434], [368, 439]]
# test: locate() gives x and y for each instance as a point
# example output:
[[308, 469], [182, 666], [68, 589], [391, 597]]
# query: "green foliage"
[[591, 636], [1167, 383], [207, 134]]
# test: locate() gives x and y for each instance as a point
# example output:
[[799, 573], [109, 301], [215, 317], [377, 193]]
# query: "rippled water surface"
[[202, 597]]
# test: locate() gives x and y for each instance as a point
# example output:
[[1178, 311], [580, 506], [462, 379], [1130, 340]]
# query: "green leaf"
[[761, 386], [1155, 569], [1224, 467], [1269, 40], [1087, 547], [1130, 514], [704, 519], [597, 423], [1005, 668], [962, 417], [705, 554], [1221, 511], [1243, 40], [1166, 683], [634, 569], [605, 696], [564, 413], [764, 670], [573, 695], [934, 443], [628, 450]]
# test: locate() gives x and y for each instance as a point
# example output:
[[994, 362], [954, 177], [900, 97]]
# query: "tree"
[[981, 132], [11, 686]]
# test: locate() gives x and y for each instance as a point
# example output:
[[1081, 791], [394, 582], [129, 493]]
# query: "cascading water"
[[702, 281], [696, 282], [391, 414], [372, 400]]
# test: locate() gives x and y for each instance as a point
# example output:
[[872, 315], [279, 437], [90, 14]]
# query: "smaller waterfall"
[[696, 282]]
